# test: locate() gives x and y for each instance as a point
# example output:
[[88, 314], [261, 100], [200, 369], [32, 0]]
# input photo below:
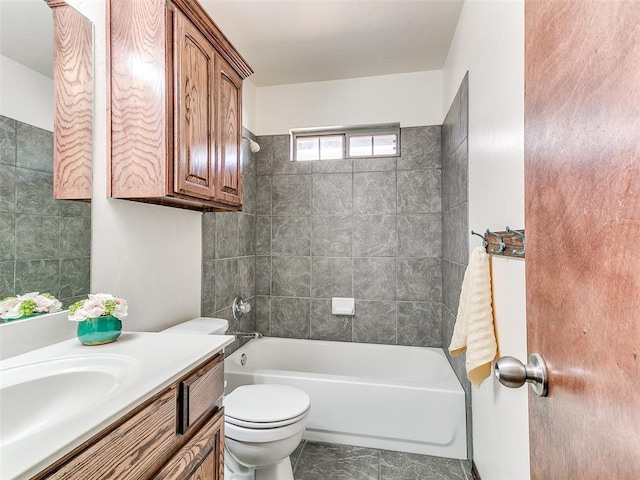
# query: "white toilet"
[[263, 424]]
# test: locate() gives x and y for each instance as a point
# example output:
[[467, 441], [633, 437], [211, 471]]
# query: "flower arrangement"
[[33, 303], [98, 305]]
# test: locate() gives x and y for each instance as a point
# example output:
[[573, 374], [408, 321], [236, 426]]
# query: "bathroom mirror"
[[45, 244]]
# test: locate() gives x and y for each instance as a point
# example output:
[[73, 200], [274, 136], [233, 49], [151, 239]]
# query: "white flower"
[[120, 311], [15, 307], [10, 308], [98, 305]]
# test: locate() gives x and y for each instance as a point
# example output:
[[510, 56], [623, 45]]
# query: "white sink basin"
[[36, 396]]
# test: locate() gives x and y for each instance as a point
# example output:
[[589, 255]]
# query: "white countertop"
[[156, 360]]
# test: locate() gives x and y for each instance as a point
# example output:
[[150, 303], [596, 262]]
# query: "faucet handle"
[[240, 307]]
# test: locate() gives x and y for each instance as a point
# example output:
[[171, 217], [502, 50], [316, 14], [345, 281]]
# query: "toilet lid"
[[265, 403]]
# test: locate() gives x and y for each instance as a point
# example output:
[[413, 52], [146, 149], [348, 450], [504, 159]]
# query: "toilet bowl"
[[263, 424]]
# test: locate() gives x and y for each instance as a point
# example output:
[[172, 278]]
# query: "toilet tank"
[[200, 326]]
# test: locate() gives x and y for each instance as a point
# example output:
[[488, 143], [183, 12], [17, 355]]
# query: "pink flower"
[[93, 309]]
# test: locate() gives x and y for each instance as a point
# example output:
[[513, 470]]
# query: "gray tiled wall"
[[367, 228], [228, 253], [455, 226], [45, 244]]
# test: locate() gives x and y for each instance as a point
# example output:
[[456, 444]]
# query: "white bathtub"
[[380, 396]]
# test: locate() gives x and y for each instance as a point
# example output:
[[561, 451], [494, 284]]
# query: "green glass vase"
[[97, 331]]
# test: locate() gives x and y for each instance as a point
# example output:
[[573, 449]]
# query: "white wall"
[[150, 255], [489, 42], [412, 99], [249, 105], [25, 94]]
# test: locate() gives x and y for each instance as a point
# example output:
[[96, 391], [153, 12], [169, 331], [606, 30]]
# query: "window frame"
[[346, 133]]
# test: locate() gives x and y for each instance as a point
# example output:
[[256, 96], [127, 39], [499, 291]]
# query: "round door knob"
[[510, 372]]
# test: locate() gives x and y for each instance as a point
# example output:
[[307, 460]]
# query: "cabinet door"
[[202, 456], [194, 121], [229, 168]]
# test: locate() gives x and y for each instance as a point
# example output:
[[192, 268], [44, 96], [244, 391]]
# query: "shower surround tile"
[[332, 235], [374, 278], [7, 276], [419, 191], [291, 236], [290, 317], [263, 235], [420, 324], [7, 237], [46, 243], [247, 234], [291, 195], [374, 164], [264, 158], [455, 178], [419, 279], [420, 148], [263, 195], [375, 235], [208, 236], [7, 189], [420, 235], [75, 237], [38, 276], [282, 163], [365, 217], [208, 288], [326, 326], [263, 275], [74, 277], [375, 322], [34, 193], [37, 237], [374, 192], [7, 140], [263, 315], [227, 239], [34, 148], [331, 277], [226, 285], [291, 276], [332, 193], [333, 166]]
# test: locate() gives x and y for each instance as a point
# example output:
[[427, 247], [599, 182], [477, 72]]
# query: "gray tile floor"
[[325, 461]]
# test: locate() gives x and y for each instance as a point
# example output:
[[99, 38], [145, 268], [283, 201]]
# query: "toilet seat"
[[263, 435], [263, 425], [265, 406]]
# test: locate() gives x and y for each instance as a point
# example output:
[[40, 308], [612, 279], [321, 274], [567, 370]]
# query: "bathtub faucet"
[[247, 334]]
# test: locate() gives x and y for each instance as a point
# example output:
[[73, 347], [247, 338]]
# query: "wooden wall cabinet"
[[153, 441], [176, 106]]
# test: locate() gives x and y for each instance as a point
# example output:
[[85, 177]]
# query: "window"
[[345, 142]]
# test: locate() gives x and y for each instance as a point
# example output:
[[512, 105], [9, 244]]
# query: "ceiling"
[[286, 41], [26, 34], [295, 41]]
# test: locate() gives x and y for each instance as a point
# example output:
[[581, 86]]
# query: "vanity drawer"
[[130, 450], [200, 392]]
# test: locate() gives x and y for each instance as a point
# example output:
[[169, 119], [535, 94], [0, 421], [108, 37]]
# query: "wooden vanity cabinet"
[[176, 106], [153, 441]]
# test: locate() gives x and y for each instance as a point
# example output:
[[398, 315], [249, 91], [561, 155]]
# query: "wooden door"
[[582, 176], [194, 77], [229, 167]]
